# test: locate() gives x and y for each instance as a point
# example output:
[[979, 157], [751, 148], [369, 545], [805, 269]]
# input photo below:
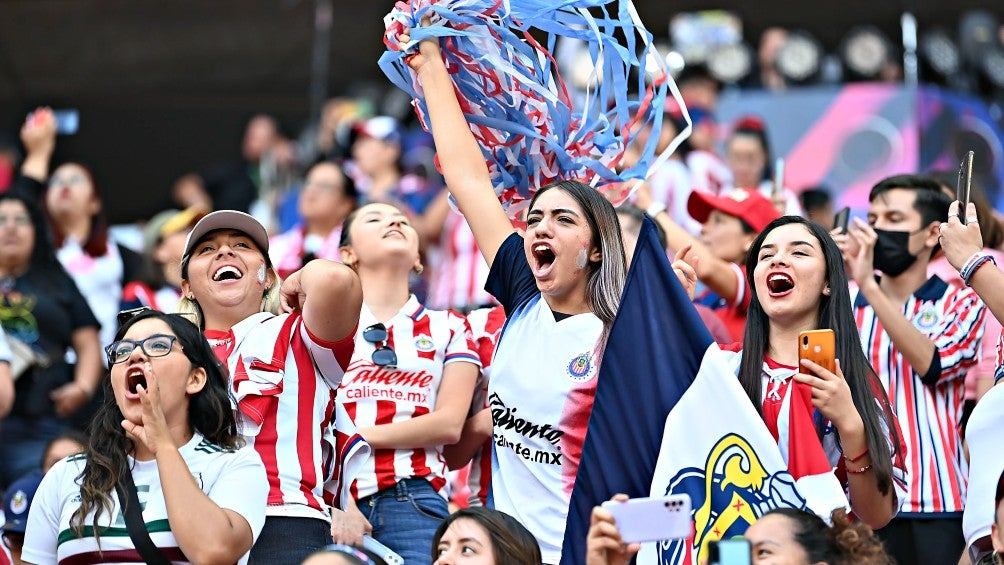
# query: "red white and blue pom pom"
[[518, 106]]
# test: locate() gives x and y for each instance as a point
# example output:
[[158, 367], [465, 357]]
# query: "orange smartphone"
[[818, 346]]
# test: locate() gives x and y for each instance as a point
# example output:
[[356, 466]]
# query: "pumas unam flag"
[[670, 417]]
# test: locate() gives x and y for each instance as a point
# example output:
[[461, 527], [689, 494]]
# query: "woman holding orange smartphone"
[[798, 285]]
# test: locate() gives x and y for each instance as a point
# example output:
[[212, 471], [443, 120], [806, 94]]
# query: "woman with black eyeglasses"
[[284, 368], [165, 438], [407, 389]]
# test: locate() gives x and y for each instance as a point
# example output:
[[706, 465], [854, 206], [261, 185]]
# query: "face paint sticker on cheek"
[[582, 260], [261, 274]]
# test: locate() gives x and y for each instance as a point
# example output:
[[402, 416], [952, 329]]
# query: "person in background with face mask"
[[921, 335]]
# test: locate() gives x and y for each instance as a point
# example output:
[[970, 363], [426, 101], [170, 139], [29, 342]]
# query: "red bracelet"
[[858, 458], [859, 471]]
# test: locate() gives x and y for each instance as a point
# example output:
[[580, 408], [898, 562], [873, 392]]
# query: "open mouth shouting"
[[227, 273], [134, 378], [779, 284], [543, 259]]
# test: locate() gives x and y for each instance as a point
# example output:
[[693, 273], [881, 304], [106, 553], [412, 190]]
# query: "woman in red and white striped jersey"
[[284, 368], [407, 389]]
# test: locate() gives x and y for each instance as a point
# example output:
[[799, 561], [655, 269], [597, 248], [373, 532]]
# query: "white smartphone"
[[653, 518], [382, 550]]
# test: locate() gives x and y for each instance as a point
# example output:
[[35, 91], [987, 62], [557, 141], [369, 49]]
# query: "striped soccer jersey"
[[425, 341], [284, 381], [486, 327], [775, 402], [232, 479], [459, 271], [929, 409]]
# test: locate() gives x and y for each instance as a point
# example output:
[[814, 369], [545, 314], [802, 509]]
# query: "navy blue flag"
[[655, 349], [670, 417]]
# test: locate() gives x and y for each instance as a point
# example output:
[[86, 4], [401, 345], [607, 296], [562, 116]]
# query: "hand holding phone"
[[842, 218], [818, 346], [652, 518], [964, 186]]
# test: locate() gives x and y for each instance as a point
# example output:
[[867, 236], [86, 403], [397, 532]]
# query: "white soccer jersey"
[[284, 380], [541, 394], [708, 172], [929, 407], [486, 327], [234, 480], [99, 280], [671, 186], [459, 271], [425, 341]]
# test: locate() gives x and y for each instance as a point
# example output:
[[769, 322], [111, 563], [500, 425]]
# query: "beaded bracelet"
[[975, 262]]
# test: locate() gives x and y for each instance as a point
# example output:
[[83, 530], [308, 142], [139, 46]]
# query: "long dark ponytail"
[[835, 312]]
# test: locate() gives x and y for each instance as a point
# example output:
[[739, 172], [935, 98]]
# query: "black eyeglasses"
[[157, 345], [383, 356]]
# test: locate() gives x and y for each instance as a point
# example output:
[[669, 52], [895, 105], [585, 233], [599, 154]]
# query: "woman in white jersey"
[[284, 369], [167, 424], [560, 285], [407, 389], [798, 283]]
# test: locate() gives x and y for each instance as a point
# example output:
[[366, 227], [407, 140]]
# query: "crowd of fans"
[[343, 332]]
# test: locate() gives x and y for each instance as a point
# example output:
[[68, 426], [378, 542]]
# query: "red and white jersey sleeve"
[[425, 341], [284, 381], [486, 327], [929, 407]]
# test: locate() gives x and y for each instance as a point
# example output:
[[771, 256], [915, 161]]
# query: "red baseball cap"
[[747, 204]]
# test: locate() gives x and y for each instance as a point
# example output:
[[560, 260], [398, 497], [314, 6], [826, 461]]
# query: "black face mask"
[[892, 252]]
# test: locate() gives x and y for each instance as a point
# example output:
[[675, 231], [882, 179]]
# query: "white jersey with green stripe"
[[232, 479]]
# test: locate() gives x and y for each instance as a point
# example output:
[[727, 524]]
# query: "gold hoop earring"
[[419, 268]]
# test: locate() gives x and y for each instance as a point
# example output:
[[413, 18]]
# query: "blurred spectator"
[[377, 166], [16, 503], [99, 265], [698, 87], [70, 442], [159, 283], [458, 269], [748, 155], [768, 77], [708, 172], [330, 139], [72, 201], [980, 378], [235, 185], [327, 198], [818, 205], [670, 183], [631, 218], [42, 307]]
